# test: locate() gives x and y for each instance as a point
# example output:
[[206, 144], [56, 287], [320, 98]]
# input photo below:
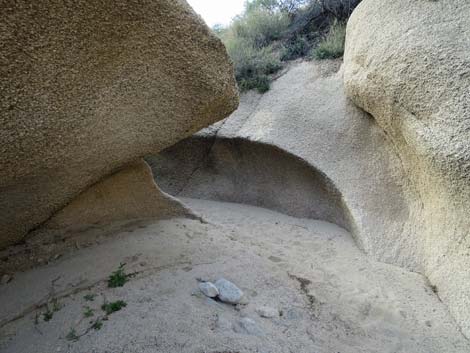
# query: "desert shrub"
[[285, 6], [260, 27], [272, 31], [296, 47], [253, 65], [248, 42], [316, 16], [260, 82], [332, 45], [338, 9], [308, 20]]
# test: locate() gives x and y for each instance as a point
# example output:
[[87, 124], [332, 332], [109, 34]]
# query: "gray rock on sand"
[[267, 312], [247, 326], [228, 292], [208, 289]]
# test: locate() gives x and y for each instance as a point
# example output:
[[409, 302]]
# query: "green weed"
[[97, 325], [118, 278], [112, 307], [89, 297], [88, 312], [52, 307], [72, 335]]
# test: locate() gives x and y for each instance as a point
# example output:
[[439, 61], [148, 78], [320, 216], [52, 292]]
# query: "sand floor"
[[331, 297]]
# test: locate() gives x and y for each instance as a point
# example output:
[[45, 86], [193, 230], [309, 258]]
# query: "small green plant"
[[51, 308], [55, 305], [72, 335], [332, 45], [112, 307], [118, 278], [47, 316], [89, 297], [88, 312], [97, 325]]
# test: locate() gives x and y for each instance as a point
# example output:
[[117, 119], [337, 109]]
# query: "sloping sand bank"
[[330, 296]]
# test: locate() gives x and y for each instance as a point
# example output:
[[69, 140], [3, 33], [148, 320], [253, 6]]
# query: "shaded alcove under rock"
[[247, 172]]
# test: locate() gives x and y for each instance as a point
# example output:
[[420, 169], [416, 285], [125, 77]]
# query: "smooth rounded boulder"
[[89, 87], [407, 63]]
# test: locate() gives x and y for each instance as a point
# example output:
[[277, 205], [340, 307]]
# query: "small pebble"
[[208, 289], [267, 312], [228, 292]]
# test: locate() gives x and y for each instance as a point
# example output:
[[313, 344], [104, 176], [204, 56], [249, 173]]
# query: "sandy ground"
[[331, 297]]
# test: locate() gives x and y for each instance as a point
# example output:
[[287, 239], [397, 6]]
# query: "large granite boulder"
[[89, 87], [408, 64]]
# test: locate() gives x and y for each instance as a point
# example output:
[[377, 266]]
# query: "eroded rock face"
[[89, 87], [305, 150], [242, 171], [408, 64], [130, 193]]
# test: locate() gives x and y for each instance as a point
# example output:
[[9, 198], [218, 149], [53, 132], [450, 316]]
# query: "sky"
[[217, 11]]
